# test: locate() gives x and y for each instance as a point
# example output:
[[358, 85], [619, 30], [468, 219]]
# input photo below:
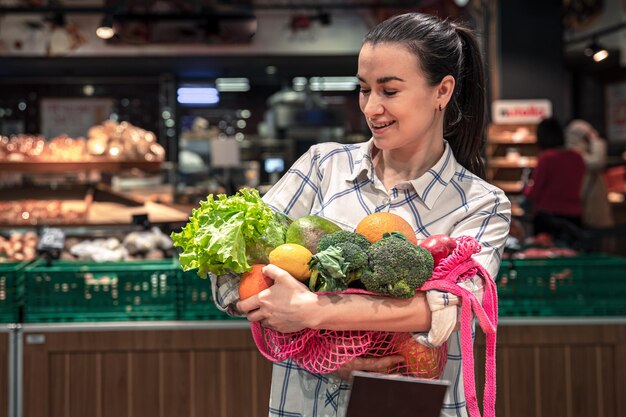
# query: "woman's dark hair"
[[550, 134], [446, 48]]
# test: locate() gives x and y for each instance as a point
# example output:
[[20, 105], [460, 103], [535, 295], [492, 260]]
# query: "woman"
[[422, 94], [580, 136], [556, 184]]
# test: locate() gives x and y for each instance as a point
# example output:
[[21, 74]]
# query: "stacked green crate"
[[9, 296], [592, 285], [67, 291], [196, 299]]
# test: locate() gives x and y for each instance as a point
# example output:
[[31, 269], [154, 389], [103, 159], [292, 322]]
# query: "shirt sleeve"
[[489, 225], [225, 291]]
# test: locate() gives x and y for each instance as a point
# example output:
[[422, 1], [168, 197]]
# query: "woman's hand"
[[287, 306], [382, 364]]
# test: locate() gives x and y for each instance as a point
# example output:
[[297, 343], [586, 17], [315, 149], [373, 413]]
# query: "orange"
[[294, 259], [253, 282], [422, 361], [375, 225]]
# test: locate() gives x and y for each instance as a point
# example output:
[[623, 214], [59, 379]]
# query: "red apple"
[[439, 246]]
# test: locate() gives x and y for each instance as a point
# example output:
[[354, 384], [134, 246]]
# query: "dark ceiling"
[[253, 67]]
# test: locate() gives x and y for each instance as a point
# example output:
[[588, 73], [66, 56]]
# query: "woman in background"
[[556, 184], [583, 138]]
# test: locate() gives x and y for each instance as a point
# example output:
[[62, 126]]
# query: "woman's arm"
[[289, 306]]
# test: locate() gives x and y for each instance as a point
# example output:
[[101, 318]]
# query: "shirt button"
[[334, 386]]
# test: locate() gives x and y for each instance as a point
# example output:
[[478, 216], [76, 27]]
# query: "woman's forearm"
[[364, 312]]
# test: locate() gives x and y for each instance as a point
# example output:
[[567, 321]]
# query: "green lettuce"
[[229, 234]]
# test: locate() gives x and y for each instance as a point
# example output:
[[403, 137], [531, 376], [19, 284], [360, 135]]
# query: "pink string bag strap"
[[456, 267]]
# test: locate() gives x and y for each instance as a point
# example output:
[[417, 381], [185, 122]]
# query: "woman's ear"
[[445, 90]]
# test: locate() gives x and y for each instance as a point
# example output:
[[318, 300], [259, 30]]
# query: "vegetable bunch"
[[230, 233], [390, 266]]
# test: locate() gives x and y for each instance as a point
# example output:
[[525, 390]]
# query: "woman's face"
[[396, 99]]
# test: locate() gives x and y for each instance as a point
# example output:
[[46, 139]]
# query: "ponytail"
[[464, 123]]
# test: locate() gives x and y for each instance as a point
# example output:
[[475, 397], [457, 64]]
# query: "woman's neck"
[[401, 165]]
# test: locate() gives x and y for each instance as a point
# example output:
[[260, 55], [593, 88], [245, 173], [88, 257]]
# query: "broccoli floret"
[[338, 238], [397, 267], [337, 266]]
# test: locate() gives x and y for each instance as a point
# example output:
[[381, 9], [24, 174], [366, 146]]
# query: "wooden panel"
[[115, 373], [175, 387], [144, 384], [193, 373], [552, 379], [554, 371], [4, 374], [84, 394], [208, 398], [521, 380]]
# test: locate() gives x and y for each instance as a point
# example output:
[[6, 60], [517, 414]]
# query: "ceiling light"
[[198, 95], [232, 85], [596, 51], [105, 30]]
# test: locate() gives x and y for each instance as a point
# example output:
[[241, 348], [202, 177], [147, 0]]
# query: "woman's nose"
[[372, 106]]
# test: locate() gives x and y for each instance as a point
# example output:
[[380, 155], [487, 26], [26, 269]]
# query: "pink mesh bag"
[[325, 351]]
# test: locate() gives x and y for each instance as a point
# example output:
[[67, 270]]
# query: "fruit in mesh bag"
[[253, 282], [421, 361], [293, 258], [375, 225]]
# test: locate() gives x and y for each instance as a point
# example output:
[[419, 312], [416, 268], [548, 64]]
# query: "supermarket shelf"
[[36, 167], [510, 140], [521, 162], [509, 186]]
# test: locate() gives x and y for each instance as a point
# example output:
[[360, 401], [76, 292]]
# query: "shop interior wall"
[[531, 63]]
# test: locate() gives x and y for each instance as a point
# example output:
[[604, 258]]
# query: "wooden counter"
[[546, 368]]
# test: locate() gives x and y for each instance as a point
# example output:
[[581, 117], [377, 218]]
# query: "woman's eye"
[[389, 93], [363, 90]]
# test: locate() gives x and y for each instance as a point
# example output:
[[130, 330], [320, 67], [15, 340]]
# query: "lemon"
[[293, 258]]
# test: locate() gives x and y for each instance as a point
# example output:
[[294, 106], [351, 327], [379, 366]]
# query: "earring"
[[440, 109]]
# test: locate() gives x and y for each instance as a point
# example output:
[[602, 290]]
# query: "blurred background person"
[[583, 138], [554, 190]]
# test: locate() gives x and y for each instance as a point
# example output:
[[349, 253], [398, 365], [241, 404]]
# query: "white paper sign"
[[616, 112], [225, 153], [520, 111], [72, 116]]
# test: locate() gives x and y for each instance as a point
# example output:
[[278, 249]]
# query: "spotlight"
[[596, 51], [105, 30]]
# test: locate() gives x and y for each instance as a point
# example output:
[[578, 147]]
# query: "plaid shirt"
[[338, 182]]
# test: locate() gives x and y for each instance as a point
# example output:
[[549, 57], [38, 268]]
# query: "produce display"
[[540, 246], [18, 247], [34, 212], [110, 140], [123, 141], [150, 244]]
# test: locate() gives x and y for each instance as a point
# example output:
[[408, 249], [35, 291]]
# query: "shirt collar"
[[428, 187], [432, 183], [363, 162]]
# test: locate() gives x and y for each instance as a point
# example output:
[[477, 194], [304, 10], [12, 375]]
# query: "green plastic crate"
[[592, 285], [196, 299], [9, 296], [67, 291]]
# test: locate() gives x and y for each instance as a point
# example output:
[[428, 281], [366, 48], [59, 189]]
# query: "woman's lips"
[[380, 127]]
